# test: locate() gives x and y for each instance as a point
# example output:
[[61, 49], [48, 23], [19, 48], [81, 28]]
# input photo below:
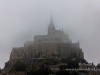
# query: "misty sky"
[[20, 20]]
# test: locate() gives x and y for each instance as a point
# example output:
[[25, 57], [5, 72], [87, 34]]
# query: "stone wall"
[[46, 50]]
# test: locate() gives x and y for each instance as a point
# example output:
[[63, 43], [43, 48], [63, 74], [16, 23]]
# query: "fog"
[[20, 20]]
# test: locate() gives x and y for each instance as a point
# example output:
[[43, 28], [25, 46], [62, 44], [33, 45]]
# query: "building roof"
[[52, 41], [40, 36]]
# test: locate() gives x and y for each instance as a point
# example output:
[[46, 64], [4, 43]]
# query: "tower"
[[51, 26], [78, 43]]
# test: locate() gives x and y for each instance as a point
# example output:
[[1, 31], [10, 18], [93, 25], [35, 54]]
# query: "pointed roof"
[[51, 18], [78, 43], [51, 25]]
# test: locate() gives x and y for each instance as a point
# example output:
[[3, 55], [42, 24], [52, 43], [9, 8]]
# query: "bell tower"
[[51, 26]]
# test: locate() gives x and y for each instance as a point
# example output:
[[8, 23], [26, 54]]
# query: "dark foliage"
[[83, 61], [42, 71], [63, 67], [73, 64], [63, 73], [18, 66], [73, 55], [6, 65]]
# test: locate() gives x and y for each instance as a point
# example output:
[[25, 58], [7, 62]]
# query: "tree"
[[40, 71], [73, 55], [61, 72], [63, 67], [64, 60], [19, 66], [83, 61], [74, 73], [98, 65], [72, 64], [6, 65]]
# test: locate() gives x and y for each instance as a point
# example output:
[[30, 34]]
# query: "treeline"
[[40, 67]]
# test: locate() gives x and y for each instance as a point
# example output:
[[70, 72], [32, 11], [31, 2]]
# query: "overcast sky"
[[20, 20]]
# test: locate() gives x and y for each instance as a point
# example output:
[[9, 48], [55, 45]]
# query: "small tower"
[[51, 26], [67, 36], [78, 43]]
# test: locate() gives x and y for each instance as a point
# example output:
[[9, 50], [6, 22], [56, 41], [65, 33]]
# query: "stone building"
[[55, 44]]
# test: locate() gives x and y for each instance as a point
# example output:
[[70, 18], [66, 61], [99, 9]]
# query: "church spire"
[[51, 25], [78, 43], [51, 20]]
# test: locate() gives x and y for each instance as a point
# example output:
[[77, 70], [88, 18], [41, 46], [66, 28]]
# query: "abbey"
[[55, 44]]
